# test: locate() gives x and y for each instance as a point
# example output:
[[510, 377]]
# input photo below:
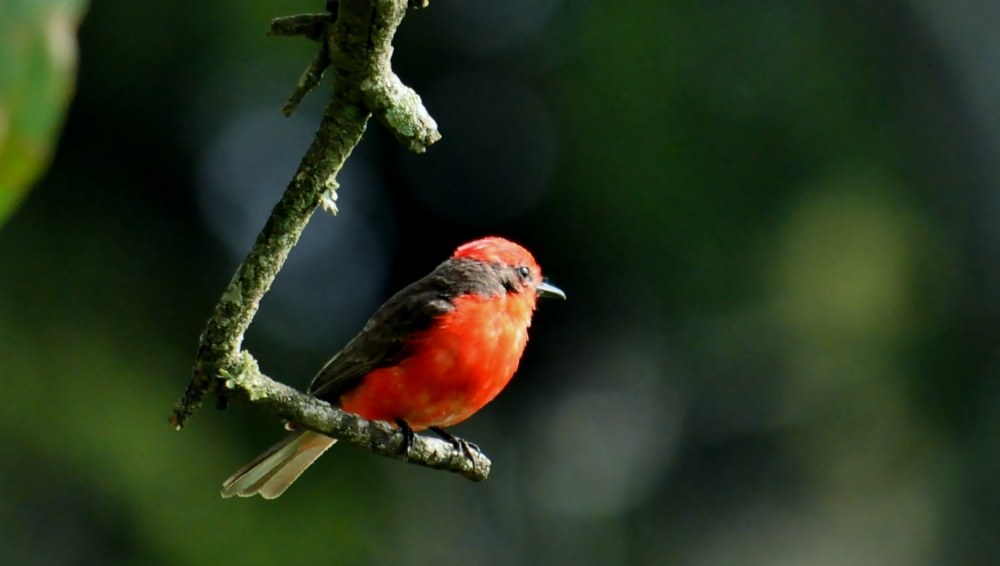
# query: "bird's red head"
[[496, 250], [502, 252]]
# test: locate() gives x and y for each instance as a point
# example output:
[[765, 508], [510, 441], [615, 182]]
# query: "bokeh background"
[[777, 221]]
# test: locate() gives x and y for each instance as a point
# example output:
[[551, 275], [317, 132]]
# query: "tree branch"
[[251, 387], [357, 46]]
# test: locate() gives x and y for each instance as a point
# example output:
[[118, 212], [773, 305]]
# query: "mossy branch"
[[356, 43]]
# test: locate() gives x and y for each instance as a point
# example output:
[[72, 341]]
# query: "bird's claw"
[[460, 444], [407, 432], [467, 448]]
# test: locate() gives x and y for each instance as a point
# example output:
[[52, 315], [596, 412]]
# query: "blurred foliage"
[[37, 76], [765, 208]]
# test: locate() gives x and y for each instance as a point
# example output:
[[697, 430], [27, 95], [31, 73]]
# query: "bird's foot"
[[407, 431], [461, 444]]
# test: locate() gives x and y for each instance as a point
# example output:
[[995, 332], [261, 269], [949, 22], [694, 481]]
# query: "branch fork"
[[397, 106], [355, 39]]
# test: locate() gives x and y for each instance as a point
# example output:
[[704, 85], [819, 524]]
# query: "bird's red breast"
[[458, 366]]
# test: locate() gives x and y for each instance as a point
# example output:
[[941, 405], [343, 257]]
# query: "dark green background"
[[773, 219]]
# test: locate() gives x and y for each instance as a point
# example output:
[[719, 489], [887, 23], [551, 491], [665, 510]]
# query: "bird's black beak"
[[545, 289]]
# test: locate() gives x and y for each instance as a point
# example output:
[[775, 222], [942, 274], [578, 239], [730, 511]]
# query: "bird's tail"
[[272, 472]]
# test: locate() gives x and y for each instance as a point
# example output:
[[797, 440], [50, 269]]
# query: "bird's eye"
[[524, 271]]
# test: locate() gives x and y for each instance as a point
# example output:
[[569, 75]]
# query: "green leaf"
[[38, 55]]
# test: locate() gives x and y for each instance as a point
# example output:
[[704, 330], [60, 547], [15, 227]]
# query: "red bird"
[[430, 357]]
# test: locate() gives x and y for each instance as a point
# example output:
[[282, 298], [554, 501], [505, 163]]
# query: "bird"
[[430, 357]]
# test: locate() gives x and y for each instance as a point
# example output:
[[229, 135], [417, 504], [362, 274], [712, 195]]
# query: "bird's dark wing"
[[385, 339]]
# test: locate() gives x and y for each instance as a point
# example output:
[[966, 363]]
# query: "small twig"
[[252, 387], [309, 80], [357, 45], [309, 26]]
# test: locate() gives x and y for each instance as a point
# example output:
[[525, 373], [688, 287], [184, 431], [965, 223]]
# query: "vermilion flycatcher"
[[430, 357]]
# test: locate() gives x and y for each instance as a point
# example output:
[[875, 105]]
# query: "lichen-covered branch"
[[252, 387], [356, 43], [400, 109]]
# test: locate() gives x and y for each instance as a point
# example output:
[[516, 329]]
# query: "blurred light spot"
[[486, 28], [850, 258], [498, 154], [337, 273], [602, 448], [894, 525], [846, 261], [60, 33]]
